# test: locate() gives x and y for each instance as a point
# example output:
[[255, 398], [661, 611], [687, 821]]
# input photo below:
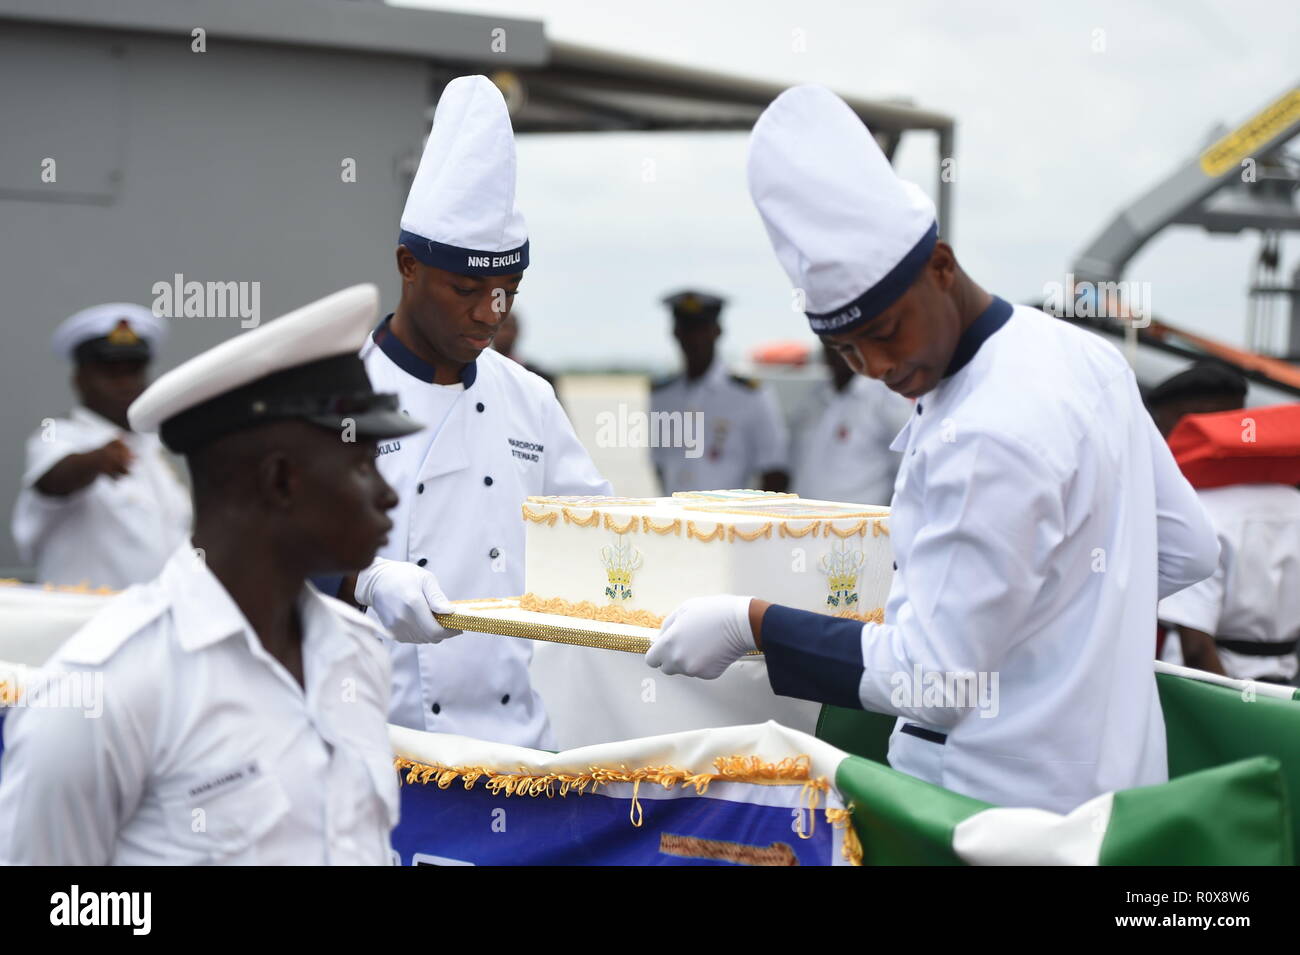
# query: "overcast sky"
[[1053, 139]]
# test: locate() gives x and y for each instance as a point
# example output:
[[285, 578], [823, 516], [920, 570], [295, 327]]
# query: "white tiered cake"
[[635, 560]]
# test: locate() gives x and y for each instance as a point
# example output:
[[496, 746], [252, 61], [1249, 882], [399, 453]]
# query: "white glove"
[[703, 637], [404, 598]]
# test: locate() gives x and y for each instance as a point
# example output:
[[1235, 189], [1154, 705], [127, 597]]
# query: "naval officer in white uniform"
[[227, 712], [742, 439], [496, 433], [842, 436], [100, 504], [1037, 515]]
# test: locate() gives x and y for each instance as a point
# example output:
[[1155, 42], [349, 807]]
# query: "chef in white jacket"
[[1037, 514], [496, 433]]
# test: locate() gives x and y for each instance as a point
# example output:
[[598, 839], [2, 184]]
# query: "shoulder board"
[[664, 382], [749, 383], [355, 621], [126, 615]]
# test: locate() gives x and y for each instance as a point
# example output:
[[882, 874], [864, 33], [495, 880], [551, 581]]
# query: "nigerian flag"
[[1234, 761]]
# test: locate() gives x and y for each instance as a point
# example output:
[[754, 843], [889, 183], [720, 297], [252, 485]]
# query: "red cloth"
[[1244, 446]]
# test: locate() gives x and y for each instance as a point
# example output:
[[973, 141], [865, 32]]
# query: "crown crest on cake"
[[841, 567], [620, 561]]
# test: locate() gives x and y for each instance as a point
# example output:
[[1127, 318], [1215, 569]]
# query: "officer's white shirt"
[[207, 750], [1254, 592], [502, 424], [743, 433], [111, 533], [1037, 518], [841, 442]]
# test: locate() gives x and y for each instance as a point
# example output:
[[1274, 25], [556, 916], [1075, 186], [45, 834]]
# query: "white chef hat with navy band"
[[460, 214], [846, 229]]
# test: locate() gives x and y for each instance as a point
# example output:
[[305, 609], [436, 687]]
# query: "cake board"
[[504, 617]]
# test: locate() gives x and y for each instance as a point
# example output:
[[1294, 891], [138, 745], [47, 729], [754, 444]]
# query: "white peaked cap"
[[460, 215], [301, 365], [846, 229], [99, 321]]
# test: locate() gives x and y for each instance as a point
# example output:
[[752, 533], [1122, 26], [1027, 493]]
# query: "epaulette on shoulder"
[[126, 615], [356, 621], [751, 384], [659, 383]]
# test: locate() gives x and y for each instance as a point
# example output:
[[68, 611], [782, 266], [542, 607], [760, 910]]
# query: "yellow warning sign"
[[1243, 141]]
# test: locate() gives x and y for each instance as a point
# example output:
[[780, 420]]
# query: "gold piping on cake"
[[538, 517], [853, 531], [629, 526], [765, 531], [590, 521], [669, 527], [878, 528], [718, 533], [787, 531], [587, 610]]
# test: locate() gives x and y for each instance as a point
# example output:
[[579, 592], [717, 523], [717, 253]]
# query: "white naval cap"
[[302, 365], [116, 331], [460, 215], [846, 229]]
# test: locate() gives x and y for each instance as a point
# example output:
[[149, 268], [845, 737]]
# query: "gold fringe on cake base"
[[587, 610], [794, 770]]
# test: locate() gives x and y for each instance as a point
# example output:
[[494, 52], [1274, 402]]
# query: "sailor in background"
[[1037, 515], [842, 436], [1243, 620], [506, 340], [230, 713], [743, 441], [100, 504], [496, 433]]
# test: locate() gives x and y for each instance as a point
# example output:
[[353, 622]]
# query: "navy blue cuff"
[[329, 586], [812, 656]]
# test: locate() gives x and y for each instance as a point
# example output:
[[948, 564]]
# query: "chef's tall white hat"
[[303, 365], [460, 215], [846, 229], [109, 332]]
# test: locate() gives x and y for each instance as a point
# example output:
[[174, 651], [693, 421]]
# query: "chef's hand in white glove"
[[703, 637], [404, 598]]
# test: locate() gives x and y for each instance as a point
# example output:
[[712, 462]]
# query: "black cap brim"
[[370, 425]]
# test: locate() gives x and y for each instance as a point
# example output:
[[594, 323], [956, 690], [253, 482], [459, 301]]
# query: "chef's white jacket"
[[1037, 518], [1253, 595], [736, 432], [492, 440], [178, 740], [841, 442], [111, 533]]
